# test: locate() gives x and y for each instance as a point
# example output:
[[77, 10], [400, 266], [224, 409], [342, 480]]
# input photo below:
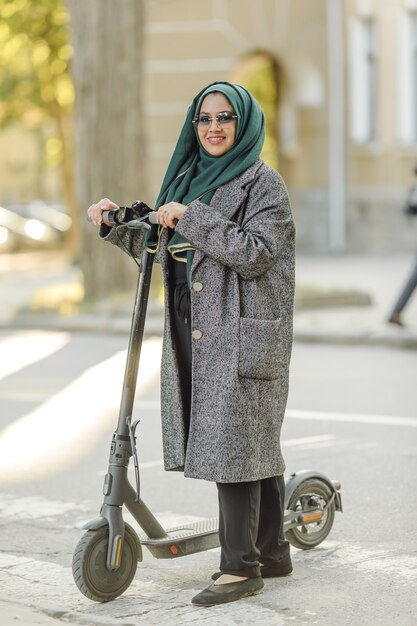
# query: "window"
[[363, 81], [414, 69], [407, 77]]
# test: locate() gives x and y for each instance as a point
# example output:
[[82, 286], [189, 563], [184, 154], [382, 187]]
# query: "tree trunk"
[[109, 129], [64, 132]]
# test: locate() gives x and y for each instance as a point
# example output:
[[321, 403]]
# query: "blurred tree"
[[261, 72], [110, 145], [35, 84]]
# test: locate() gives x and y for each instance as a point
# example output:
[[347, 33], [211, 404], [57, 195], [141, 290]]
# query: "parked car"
[[54, 215], [17, 232]]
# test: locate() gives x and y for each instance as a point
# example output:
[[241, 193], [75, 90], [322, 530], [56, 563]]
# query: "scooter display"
[[105, 559]]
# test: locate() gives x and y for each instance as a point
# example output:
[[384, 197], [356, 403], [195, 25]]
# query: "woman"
[[411, 284], [225, 242]]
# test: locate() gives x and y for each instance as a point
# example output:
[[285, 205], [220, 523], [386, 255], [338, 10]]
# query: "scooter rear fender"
[[295, 479]]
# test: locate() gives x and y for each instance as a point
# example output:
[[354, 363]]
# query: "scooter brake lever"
[[137, 224]]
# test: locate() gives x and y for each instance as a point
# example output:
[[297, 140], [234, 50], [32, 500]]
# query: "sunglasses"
[[222, 119]]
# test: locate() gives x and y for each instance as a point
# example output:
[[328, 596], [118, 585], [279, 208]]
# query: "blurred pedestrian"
[[395, 317], [225, 241]]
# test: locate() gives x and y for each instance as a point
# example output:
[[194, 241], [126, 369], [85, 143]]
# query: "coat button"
[[198, 286], [196, 334]]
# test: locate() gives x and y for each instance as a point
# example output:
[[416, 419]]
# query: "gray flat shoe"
[[228, 592]]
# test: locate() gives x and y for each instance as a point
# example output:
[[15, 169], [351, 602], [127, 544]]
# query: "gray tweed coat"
[[242, 290]]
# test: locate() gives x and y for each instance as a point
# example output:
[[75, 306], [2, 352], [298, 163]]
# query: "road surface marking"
[[21, 395], [145, 465], [28, 347], [62, 429], [158, 595], [150, 405], [366, 559], [302, 441], [47, 510], [148, 464], [331, 416], [37, 507], [383, 420]]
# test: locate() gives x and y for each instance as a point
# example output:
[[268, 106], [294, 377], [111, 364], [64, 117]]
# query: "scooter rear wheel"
[[89, 569], [311, 495]]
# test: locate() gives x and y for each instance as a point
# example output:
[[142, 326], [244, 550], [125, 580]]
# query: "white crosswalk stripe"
[[66, 425], [356, 418], [47, 511], [27, 347]]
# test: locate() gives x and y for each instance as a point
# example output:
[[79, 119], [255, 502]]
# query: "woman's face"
[[215, 138]]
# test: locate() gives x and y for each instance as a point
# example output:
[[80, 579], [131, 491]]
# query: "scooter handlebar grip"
[[152, 217], [108, 217]]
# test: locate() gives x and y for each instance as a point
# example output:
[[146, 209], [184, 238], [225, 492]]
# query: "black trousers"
[[181, 325], [406, 292], [251, 518], [251, 514]]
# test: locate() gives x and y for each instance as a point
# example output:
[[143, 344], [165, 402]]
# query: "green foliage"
[[257, 73], [35, 83]]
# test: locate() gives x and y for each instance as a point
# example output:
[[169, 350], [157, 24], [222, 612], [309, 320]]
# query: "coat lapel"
[[228, 198]]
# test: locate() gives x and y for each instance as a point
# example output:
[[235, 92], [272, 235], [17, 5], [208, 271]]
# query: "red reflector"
[[174, 549]]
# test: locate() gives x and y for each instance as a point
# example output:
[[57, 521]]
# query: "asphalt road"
[[352, 415]]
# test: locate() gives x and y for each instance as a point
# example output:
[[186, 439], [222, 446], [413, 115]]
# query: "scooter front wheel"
[[311, 499], [91, 575]]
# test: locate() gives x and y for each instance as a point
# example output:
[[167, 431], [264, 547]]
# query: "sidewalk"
[[339, 299], [377, 277]]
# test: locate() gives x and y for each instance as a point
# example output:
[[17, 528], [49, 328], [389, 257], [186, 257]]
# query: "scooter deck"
[[184, 539]]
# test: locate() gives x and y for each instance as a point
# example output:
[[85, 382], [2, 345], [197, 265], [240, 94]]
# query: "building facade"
[[337, 80], [346, 111]]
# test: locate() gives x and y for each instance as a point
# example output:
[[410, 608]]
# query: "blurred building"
[[338, 81]]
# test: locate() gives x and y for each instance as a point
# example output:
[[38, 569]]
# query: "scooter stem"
[[135, 342]]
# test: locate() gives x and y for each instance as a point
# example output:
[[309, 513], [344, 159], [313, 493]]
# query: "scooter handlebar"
[[119, 216]]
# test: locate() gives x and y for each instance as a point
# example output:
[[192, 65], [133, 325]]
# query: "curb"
[[365, 338], [120, 325]]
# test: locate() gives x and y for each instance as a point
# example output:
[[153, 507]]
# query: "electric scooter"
[[106, 557]]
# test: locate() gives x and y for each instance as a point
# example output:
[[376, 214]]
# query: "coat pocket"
[[259, 348]]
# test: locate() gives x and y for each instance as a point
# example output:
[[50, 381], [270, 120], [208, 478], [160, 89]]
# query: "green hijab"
[[193, 173]]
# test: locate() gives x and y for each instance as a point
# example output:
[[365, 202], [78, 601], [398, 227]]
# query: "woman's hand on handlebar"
[[95, 211], [169, 214]]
